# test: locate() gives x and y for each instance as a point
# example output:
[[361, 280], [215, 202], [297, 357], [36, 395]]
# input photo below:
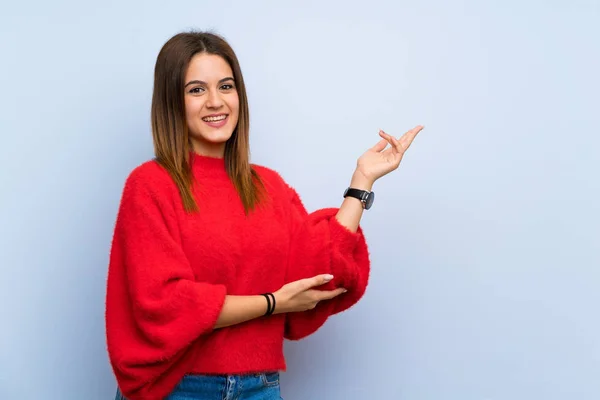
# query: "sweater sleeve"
[[320, 245], [155, 310]]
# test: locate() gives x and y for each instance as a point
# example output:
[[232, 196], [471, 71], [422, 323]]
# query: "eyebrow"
[[197, 82]]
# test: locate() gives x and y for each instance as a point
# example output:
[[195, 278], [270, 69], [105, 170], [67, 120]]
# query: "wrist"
[[278, 304], [359, 181]]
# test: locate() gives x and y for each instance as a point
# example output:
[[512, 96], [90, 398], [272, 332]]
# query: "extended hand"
[[300, 295], [379, 161]]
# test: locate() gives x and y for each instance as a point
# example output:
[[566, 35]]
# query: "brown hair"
[[169, 127]]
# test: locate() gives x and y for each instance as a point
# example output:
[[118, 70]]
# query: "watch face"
[[369, 201]]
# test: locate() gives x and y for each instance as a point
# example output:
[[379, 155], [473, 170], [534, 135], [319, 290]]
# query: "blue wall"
[[485, 244]]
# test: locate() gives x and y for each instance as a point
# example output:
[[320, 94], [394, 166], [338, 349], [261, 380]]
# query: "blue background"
[[484, 244]]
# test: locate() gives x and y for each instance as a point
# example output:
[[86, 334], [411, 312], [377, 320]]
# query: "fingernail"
[[328, 277], [344, 291]]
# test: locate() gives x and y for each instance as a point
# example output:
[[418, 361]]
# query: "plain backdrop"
[[484, 243]]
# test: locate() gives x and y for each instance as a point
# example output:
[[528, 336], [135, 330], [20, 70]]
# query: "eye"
[[196, 90], [227, 86]]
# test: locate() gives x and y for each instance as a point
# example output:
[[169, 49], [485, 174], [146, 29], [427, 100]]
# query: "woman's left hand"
[[379, 161]]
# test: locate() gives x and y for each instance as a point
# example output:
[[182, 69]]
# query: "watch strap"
[[365, 197]]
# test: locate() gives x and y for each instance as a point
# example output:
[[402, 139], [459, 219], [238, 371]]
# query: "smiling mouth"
[[217, 118]]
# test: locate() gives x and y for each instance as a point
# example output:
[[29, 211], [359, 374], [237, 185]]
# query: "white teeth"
[[214, 119]]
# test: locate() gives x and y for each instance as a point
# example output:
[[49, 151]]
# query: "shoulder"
[[274, 181], [271, 178], [148, 177]]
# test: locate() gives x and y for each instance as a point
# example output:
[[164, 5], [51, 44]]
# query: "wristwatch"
[[364, 196]]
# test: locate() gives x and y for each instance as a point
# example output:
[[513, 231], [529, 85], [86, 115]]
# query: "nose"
[[214, 99]]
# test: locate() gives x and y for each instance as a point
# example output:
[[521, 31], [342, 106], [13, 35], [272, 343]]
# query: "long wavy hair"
[[172, 146]]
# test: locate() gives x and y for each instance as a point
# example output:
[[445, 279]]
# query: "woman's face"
[[211, 103]]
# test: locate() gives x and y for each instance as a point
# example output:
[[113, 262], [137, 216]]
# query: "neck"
[[215, 150], [208, 166]]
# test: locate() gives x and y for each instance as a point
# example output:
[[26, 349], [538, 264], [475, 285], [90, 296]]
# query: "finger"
[[407, 139], [315, 281], [411, 134], [380, 145], [388, 138], [397, 147], [330, 294]]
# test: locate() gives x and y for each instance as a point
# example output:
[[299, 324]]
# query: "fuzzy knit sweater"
[[170, 271]]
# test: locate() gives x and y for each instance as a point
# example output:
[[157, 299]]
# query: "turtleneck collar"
[[208, 166]]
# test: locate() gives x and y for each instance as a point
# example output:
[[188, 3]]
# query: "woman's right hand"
[[299, 295]]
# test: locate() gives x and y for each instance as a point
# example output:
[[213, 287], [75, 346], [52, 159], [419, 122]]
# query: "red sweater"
[[170, 271]]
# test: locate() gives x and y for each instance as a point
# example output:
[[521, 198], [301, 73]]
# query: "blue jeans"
[[263, 386]]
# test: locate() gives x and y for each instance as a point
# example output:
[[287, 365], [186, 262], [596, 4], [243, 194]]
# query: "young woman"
[[214, 260]]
